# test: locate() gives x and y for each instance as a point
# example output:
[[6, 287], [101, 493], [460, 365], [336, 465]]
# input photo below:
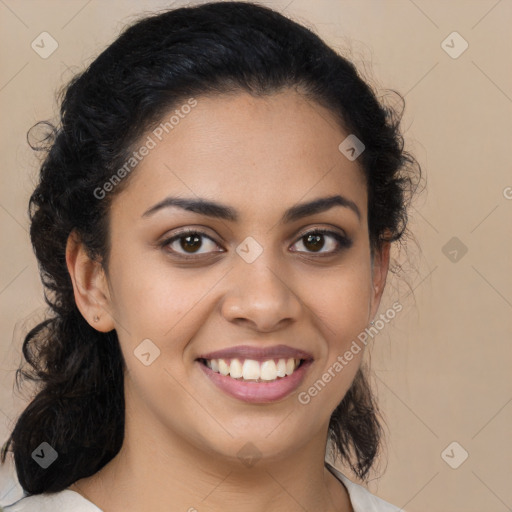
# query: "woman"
[[213, 223]]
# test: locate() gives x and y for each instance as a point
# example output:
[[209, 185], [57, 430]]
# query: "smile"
[[250, 370]]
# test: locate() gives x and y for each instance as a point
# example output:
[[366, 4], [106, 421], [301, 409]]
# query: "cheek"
[[151, 301], [341, 305], [341, 312], [341, 302]]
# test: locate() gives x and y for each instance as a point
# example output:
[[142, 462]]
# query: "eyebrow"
[[220, 211]]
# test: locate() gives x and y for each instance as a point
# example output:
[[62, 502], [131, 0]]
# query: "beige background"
[[442, 366]]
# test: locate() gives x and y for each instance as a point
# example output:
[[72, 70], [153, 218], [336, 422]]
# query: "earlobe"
[[89, 285]]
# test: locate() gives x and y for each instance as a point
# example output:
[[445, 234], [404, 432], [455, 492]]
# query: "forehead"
[[266, 152]]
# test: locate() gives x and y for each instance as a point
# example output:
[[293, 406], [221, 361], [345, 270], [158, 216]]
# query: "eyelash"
[[343, 242]]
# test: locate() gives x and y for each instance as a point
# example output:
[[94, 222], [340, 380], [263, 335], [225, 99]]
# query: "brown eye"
[[316, 240], [190, 242]]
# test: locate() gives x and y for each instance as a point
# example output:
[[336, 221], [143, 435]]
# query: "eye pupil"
[[190, 246], [316, 241]]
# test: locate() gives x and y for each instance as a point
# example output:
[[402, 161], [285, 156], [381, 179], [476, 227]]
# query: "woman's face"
[[247, 280]]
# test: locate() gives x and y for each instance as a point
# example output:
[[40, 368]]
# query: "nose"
[[260, 296]]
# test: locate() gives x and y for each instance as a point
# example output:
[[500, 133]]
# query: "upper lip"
[[258, 353]]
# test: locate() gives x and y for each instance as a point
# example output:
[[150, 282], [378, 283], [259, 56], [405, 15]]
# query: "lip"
[[257, 392], [258, 353]]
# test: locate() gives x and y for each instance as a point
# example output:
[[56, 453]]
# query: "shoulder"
[[362, 499], [62, 501]]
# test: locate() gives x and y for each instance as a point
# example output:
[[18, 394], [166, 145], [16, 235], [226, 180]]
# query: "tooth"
[[223, 367], [208, 363], [251, 369], [290, 366], [235, 369], [281, 368], [269, 370]]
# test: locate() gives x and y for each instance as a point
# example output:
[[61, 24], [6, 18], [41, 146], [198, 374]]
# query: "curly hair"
[[154, 64]]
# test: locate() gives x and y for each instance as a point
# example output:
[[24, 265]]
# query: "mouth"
[[251, 370], [256, 374]]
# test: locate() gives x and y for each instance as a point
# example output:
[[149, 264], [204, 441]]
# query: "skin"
[[260, 156]]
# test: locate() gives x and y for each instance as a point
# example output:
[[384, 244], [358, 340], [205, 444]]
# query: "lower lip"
[[258, 392]]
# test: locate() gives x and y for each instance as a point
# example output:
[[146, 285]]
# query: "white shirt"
[[70, 501]]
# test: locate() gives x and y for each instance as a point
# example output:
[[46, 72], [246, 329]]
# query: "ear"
[[90, 285], [379, 274]]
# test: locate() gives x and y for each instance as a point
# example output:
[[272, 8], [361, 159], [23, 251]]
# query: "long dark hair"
[[153, 66]]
